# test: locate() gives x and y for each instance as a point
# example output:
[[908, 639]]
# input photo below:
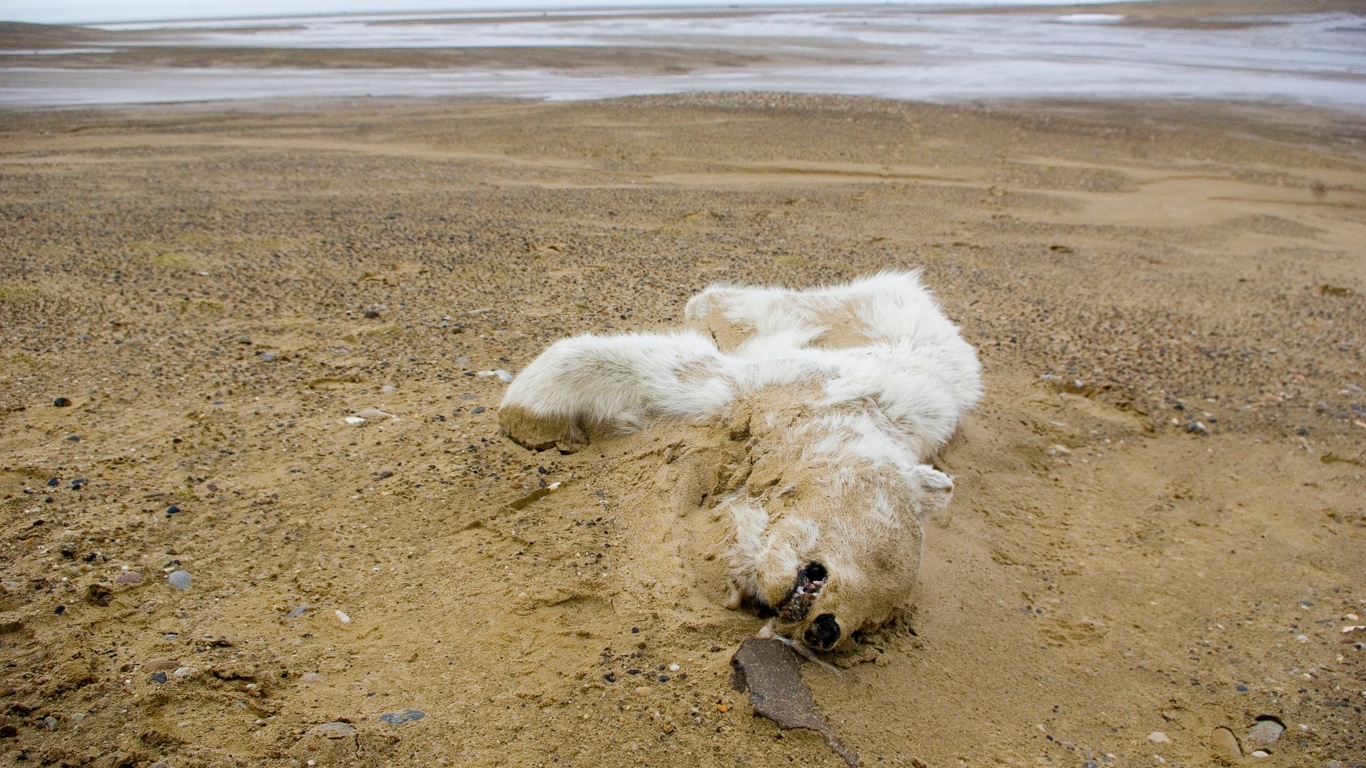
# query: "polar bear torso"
[[841, 394]]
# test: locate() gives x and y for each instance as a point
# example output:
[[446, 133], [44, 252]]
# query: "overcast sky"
[[90, 11]]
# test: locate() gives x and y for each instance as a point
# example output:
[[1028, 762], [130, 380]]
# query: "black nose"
[[823, 633]]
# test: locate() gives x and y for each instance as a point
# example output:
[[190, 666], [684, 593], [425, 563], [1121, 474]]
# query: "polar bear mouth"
[[811, 579]]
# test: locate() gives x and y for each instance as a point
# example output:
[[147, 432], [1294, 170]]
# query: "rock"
[[387, 388], [374, 414], [73, 438], [128, 577], [159, 678], [355, 420], [297, 612], [78, 483], [334, 730], [183, 672], [643, 691], [179, 580], [1261, 753], [1225, 744], [1197, 428], [172, 510], [50, 723], [1266, 732], [371, 314], [61, 402], [342, 617], [310, 677], [399, 718], [771, 672], [267, 357], [1158, 737]]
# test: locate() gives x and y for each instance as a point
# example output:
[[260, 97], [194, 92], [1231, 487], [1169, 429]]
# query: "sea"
[[942, 53]]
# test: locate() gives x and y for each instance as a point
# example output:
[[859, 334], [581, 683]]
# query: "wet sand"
[[1158, 524]]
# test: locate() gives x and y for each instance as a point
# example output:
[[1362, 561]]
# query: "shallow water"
[[903, 53]]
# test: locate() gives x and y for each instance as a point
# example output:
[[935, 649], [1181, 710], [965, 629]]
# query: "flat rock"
[[399, 718], [771, 672], [334, 730]]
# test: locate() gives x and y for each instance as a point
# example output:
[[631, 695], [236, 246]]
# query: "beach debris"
[[536, 495], [399, 718], [179, 579], [334, 730], [99, 595], [1266, 732], [771, 672]]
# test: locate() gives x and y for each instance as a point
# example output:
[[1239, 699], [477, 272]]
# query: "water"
[[896, 52]]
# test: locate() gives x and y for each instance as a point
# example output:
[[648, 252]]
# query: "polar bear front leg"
[[539, 433]]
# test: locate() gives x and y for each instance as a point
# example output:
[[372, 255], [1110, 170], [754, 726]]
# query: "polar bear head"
[[833, 549]]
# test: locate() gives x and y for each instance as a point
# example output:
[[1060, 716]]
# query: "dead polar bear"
[[840, 394]]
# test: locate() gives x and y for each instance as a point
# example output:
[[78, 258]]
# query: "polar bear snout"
[[824, 633]]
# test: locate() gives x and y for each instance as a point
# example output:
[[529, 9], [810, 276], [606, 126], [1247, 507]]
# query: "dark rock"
[[399, 718], [159, 678], [771, 672], [61, 402], [172, 510]]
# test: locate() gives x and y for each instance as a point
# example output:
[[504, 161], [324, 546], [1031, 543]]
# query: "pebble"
[[1266, 732], [183, 672], [1158, 737], [387, 388], [399, 718], [355, 420], [128, 577], [341, 616], [310, 677], [73, 438], [1224, 743], [1197, 428], [78, 483], [159, 678], [267, 357], [334, 730], [50, 723], [643, 691], [78, 718], [61, 402], [172, 510], [297, 612], [179, 580], [373, 413]]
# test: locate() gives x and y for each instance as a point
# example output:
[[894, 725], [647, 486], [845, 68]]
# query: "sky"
[[94, 11]]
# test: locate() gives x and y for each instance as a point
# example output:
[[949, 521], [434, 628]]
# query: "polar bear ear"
[[933, 490]]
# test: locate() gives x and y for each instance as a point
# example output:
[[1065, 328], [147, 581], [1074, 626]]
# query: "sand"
[[1158, 531]]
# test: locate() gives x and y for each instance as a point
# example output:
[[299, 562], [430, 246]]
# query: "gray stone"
[[335, 730], [399, 718], [179, 580], [1266, 732]]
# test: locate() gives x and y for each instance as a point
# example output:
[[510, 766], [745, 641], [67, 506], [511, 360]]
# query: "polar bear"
[[840, 395]]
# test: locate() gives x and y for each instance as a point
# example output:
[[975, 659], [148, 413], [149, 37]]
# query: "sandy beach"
[[1155, 553]]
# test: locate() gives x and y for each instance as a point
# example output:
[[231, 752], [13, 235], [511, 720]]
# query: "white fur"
[[849, 389]]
